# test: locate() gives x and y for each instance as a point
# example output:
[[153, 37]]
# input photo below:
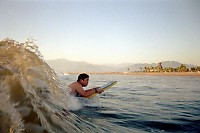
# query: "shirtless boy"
[[77, 87]]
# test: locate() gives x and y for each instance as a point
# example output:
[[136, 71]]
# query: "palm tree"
[[183, 68], [159, 67]]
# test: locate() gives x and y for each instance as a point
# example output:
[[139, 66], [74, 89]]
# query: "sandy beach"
[[145, 73]]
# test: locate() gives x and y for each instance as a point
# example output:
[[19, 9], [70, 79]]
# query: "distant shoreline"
[[145, 73]]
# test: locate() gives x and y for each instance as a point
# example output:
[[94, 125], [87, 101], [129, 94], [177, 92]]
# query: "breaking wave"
[[31, 98]]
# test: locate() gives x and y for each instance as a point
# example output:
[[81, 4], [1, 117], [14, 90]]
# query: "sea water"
[[145, 104], [34, 99]]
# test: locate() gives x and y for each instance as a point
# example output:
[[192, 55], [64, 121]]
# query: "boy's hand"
[[100, 91]]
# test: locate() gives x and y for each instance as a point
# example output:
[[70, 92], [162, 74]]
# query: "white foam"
[[73, 103]]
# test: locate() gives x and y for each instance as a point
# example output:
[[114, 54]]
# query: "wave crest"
[[30, 93]]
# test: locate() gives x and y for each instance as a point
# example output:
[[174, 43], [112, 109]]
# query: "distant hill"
[[64, 65], [165, 64]]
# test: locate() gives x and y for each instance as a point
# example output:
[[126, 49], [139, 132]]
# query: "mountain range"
[[64, 65]]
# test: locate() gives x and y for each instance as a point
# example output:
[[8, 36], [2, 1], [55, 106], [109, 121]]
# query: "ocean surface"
[[34, 99]]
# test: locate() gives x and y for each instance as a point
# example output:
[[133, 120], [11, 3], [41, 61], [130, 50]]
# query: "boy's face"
[[84, 82]]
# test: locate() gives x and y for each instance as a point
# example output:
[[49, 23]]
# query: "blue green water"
[[144, 104]]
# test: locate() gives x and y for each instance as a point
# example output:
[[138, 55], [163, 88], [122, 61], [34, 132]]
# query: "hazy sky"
[[107, 31]]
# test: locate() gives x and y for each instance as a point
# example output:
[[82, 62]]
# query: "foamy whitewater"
[[31, 98], [34, 99]]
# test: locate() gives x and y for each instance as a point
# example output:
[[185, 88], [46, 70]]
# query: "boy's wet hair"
[[82, 76]]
